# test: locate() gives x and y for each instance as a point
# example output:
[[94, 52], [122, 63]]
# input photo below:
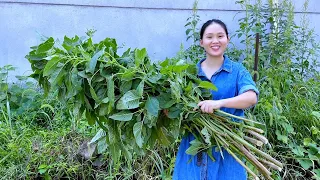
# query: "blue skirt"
[[186, 167]]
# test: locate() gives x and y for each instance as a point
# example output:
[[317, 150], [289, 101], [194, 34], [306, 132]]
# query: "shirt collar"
[[226, 66]]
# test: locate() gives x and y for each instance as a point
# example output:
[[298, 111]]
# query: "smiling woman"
[[214, 39], [236, 91]]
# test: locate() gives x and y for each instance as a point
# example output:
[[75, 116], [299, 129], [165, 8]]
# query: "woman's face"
[[214, 40]]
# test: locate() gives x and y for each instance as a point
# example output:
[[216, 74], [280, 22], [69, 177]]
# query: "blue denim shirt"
[[232, 79]]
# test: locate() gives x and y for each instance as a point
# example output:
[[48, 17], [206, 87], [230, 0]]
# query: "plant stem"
[[238, 117], [266, 173], [242, 164]]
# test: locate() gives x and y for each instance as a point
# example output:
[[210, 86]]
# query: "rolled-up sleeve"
[[245, 83]]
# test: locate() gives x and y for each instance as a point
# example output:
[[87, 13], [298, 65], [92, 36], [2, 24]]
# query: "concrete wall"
[[155, 24]]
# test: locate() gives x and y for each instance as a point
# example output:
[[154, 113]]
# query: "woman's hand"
[[241, 101], [208, 106]]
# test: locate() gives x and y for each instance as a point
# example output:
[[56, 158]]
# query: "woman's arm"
[[241, 101]]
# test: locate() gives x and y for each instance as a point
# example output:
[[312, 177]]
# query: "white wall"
[[156, 25]]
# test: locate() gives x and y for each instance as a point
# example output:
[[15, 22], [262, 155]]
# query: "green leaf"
[[168, 104], [115, 153], [139, 56], [207, 85], [305, 163], [122, 116], [111, 133], [102, 146], [299, 151], [105, 100], [100, 134], [287, 127], [42, 171], [164, 63], [125, 86], [94, 59], [316, 114], [51, 66], [150, 120], [126, 152], [180, 68], [93, 94], [188, 31], [46, 46], [129, 100], [152, 106], [195, 147], [281, 137], [189, 88], [162, 137], [83, 74], [307, 141], [47, 106], [314, 149], [175, 90], [153, 137], [206, 135], [154, 78], [57, 76], [140, 88], [193, 105], [314, 130], [103, 109], [91, 118], [317, 174], [129, 74], [209, 152], [137, 130], [174, 112], [111, 97], [111, 44]]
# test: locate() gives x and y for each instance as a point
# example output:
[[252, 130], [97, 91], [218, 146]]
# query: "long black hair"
[[206, 24]]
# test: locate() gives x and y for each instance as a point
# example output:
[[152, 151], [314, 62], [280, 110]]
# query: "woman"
[[236, 91]]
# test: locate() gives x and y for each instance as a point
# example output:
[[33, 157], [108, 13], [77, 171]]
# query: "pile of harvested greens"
[[127, 95]]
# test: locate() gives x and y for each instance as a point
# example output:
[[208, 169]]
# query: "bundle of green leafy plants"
[[127, 96]]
